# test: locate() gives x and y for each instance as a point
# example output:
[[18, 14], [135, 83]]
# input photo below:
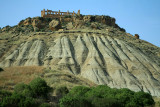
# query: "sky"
[[135, 16]]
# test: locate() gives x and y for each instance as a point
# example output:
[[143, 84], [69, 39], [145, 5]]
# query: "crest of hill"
[[69, 22]]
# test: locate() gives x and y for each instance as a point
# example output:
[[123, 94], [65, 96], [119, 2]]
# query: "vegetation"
[[1, 69], [61, 90], [26, 95], [14, 75], [68, 16], [103, 96]]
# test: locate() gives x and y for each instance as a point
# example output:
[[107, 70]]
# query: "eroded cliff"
[[104, 58]]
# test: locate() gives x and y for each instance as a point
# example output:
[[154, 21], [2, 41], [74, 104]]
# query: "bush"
[[106, 102], [25, 95], [68, 101], [18, 100], [48, 19], [104, 96], [45, 105], [79, 90], [62, 90], [68, 16], [39, 87], [143, 99], [4, 94], [1, 69]]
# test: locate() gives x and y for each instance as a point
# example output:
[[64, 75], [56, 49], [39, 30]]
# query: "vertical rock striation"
[[99, 58]]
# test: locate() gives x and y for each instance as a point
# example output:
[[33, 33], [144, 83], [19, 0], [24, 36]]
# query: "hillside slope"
[[100, 56], [93, 47]]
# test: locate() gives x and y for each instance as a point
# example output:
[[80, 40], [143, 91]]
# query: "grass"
[[57, 78], [157, 101], [14, 75]]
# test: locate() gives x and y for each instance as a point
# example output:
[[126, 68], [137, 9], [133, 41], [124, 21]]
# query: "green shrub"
[[17, 100], [25, 95], [69, 101], [20, 87], [62, 90], [4, 93], [39, 87], [45, 105], [48, 19], [106, 102], [79, 90], [143, 99], [68, 16], [104, 96], [1, 69], [23, 89]]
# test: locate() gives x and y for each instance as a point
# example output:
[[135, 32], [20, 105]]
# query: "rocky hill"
[[94, 47]]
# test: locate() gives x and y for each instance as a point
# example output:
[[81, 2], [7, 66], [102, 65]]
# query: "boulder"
[[78, 23], [21, 23], [70, 25], [94, 25], [136, 36], [38, 23], [27, 21], [54, 25]]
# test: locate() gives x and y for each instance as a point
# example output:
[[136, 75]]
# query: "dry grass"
[[56, 78], [24, 74], [157, 101], [13, 75]]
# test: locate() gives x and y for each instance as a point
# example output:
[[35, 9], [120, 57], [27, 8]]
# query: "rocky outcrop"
[[100, 58], [106, 20], [136, 36], [54, 25], [6, 28]]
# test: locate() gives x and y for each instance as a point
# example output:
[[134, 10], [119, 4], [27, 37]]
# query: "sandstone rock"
[[21, 23], [94, 25], [61, 30], [78, 23], [5, 28], [105, 20], [70, 25], [28, 21], [36, 29], [136, 36], [67, 20], [54, 25], [38, 23]]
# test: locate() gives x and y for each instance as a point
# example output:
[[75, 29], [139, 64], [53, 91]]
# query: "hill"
[[92, 47]]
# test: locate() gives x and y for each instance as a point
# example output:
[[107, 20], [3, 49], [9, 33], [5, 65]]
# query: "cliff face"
[[104, 58]]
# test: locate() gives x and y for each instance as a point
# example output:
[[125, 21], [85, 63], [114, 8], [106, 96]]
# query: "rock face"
[[54, 25], [98, 57]]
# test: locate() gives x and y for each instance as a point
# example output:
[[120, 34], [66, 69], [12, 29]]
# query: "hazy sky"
[[136, 16]]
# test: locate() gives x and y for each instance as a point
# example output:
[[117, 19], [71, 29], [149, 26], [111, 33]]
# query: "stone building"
[[57, 14]]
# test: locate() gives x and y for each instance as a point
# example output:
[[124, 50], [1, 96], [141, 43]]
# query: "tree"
[[39, 87]]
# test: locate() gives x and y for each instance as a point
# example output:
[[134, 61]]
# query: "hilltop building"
[[57, 14]]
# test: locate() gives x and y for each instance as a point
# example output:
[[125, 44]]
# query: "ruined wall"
[[56, 14]]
